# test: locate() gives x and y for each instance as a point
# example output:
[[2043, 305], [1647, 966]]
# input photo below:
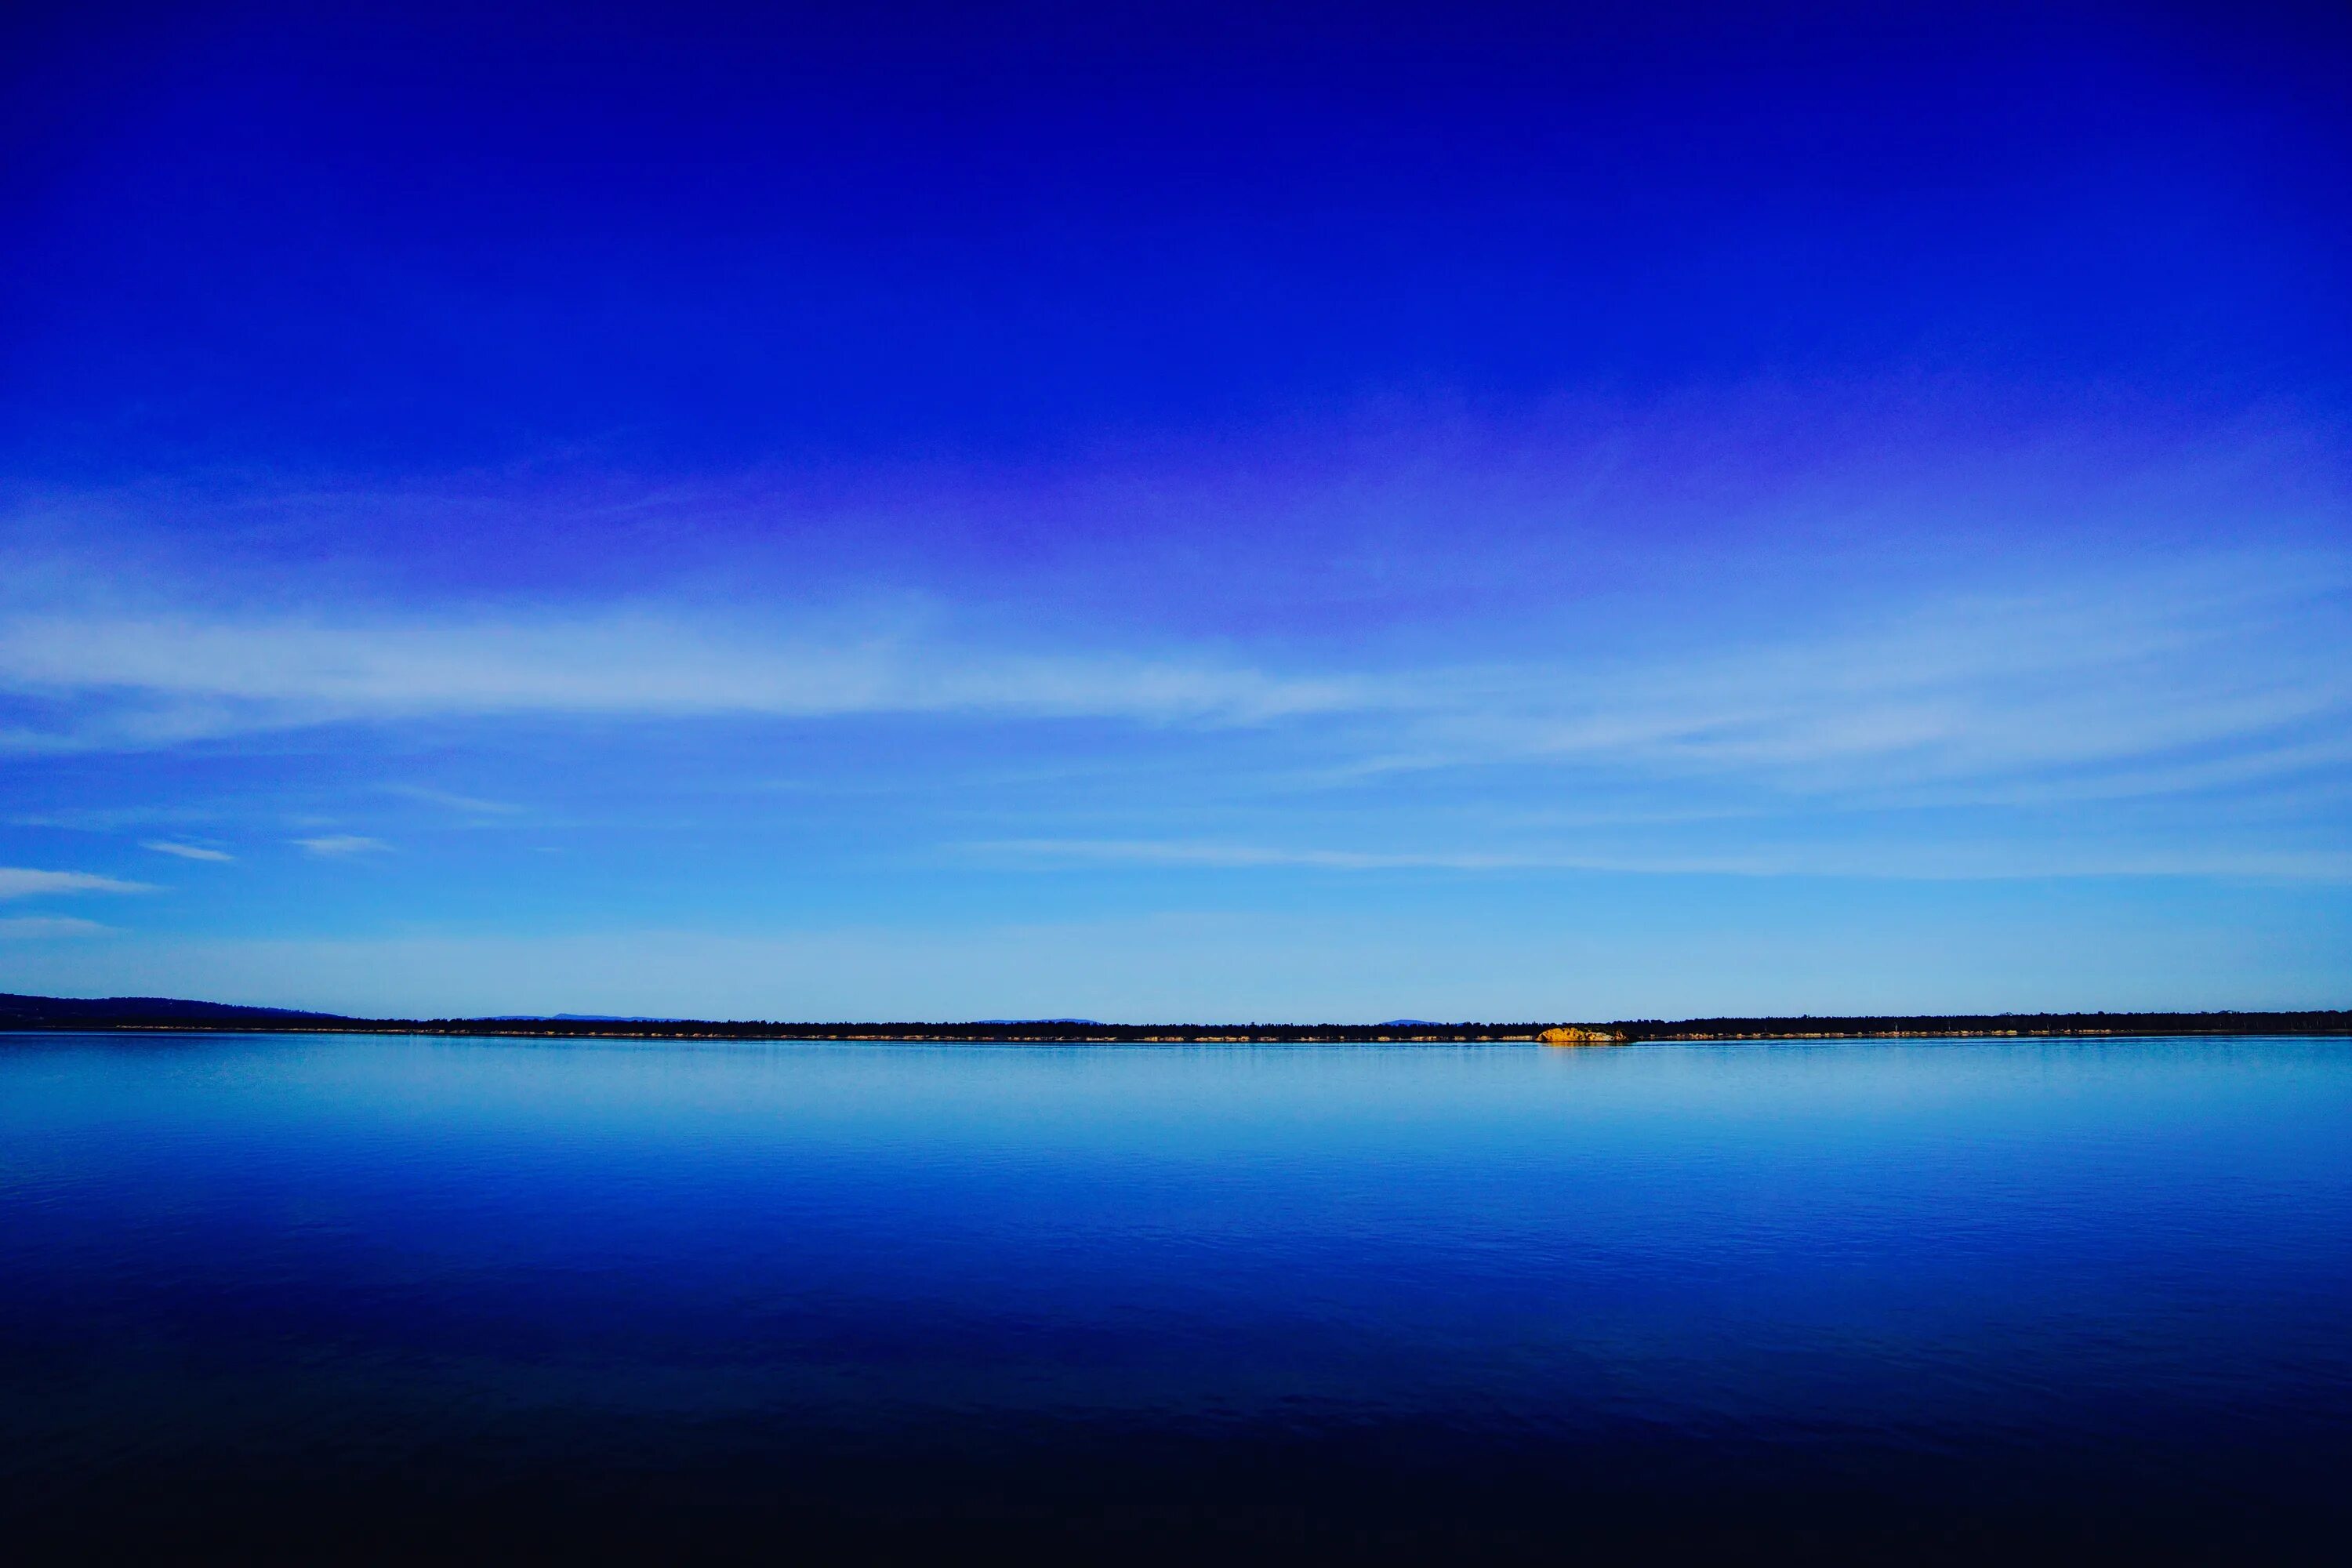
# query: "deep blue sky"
[[1149, 511]]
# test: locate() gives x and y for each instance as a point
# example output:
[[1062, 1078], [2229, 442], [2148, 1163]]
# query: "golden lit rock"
[[1572, 1036]]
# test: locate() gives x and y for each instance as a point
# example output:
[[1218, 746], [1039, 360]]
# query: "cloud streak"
[[2107, 679], [2153, 677], [467, 805], [187, 851], [341, 846], [37, 928], [161, 680], [21, 882], [1913, 863]]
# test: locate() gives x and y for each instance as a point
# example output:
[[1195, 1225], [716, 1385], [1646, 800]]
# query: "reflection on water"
[[425, 1296]]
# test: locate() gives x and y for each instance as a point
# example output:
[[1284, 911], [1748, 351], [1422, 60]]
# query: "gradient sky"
[[1173, 512]]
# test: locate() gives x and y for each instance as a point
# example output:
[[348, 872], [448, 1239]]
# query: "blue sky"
[[1177, 513]]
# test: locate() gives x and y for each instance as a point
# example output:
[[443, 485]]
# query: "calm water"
[[422, 1296]]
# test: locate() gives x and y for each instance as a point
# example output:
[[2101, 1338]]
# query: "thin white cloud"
[[334, 844], [166, 679], [1912, 862], [2148, 674], [185, 851], [472, 806], [1182, 852], [21, 882], [2152, 673], [35, 928]]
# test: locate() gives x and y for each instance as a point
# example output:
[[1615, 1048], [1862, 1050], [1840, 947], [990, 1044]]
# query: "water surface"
[[421, 1296]]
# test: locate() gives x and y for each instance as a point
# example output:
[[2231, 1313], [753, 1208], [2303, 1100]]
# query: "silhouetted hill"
[[22, 1012]]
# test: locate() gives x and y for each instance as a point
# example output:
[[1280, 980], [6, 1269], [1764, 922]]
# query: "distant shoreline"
[[143, 1015]]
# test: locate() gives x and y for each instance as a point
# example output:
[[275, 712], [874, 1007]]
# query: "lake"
[[422, 1298]]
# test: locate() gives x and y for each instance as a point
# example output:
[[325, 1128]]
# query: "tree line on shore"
[[152, 1013]]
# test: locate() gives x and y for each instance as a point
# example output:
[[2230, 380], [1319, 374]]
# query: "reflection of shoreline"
[[26, 1015]]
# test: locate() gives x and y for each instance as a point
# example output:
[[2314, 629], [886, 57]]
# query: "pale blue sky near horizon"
[[1386, 516]]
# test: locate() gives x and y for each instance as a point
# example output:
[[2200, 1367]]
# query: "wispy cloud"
[[1185, 852], [34, 928], [472, 806], [2164, 678], [146, 681], [1911, 862], [2098, 675], [185, 851], [334, 844], [20, 882]]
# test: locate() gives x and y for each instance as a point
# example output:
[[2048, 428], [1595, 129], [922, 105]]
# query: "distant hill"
[[19, 1011]]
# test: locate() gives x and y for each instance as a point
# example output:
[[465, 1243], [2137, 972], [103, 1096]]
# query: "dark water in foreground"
[[423, 1297]]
